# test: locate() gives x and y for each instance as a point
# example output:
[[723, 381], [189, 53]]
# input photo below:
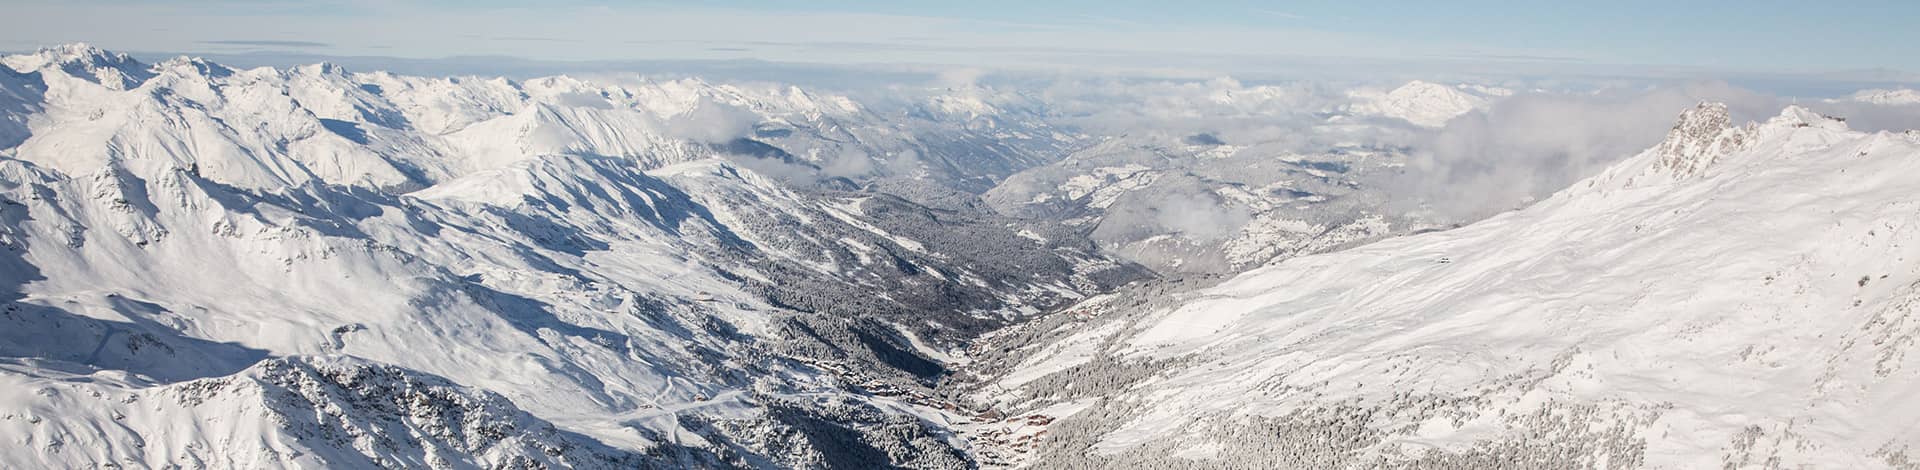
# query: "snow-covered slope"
[[1737, 297], [476, 273], [314, 412]]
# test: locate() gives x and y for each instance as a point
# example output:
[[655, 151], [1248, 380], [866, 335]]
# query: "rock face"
[[1702, 136], [1683, 309]]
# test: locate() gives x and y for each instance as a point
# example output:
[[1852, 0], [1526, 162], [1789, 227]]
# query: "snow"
[[1734, 282], [1422, 103], [314, 267], [577, 260]]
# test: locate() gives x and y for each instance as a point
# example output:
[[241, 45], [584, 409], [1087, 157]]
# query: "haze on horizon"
[[1809, 41]]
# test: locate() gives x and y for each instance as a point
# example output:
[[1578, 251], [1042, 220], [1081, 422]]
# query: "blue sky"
[[1216, 35]]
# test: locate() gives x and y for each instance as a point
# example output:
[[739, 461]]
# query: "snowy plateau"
[[310, 267]]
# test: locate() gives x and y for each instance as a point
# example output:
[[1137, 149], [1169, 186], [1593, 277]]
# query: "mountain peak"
[[86, 62], [1797, 116], [80, 51], [1419, 85], [1422, 103], [194, 65], [320, 69], [1701, 137]]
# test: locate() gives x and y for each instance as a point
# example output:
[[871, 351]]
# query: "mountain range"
[[309, 267]]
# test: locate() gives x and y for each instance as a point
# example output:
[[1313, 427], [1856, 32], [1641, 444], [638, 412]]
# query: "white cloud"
[[1531, 145], [712, 122]]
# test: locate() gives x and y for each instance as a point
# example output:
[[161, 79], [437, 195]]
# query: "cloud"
[[848, 163], [907, 162], [524, 38], [959, 77], [1530, 145], [1872, 117], [1519, 149], [1201, 217], [266, 43], [712, 122], [1186, 208], [1119, 106]]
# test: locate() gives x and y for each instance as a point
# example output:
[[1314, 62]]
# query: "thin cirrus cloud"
[[523, 38]]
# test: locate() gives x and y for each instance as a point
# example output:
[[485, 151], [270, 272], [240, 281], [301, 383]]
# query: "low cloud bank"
[[710, 121], [1530, 145], [1518, 149]]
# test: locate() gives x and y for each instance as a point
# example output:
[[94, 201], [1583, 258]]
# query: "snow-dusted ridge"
[[1737, 296]]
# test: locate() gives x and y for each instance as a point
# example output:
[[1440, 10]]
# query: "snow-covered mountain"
[[1735, 297], [307, 267], [1901, 96], [266, 127], [1424, 104]]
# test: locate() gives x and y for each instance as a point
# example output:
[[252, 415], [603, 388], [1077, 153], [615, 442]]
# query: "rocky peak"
[[322, 69], [185, 65], [1702, 136]]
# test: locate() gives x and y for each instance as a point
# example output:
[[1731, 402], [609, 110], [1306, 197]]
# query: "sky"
[[1207, 36]]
